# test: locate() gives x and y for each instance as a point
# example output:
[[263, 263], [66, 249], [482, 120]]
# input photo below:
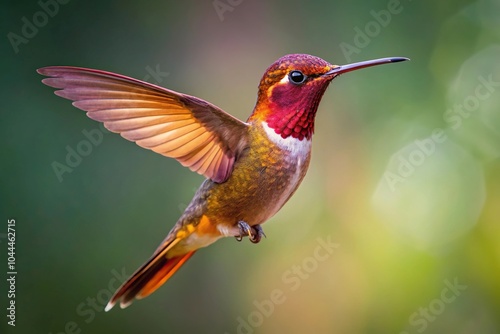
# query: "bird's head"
[[291, 89]]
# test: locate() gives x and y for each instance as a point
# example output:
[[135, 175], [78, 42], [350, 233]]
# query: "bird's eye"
[[297, 77]]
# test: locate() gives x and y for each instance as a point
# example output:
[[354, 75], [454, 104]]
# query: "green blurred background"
[[404, 177]]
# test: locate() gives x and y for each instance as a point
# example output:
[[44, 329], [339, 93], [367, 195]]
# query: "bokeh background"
[[404, 180]]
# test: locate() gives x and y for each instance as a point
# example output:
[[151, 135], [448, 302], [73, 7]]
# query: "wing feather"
[[193, 157], [176, 148], [198, 134], [205, 163]]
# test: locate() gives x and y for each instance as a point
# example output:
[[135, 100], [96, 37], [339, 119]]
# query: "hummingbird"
[[252, 168]]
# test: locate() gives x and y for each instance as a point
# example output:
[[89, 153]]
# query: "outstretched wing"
[[198, 134]]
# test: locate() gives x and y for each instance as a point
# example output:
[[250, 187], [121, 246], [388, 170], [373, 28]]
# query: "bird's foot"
[[255, 233]]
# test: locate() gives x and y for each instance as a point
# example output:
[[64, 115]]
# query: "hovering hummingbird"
[[252, 168]]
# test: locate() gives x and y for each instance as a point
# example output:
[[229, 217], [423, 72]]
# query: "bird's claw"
[[255, 233]]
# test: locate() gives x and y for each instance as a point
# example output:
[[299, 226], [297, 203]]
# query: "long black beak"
[[362, 64]]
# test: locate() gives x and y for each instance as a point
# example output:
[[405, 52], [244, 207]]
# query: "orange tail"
[[150, 276]]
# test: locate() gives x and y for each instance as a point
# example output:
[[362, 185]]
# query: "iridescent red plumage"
[[290, 108]]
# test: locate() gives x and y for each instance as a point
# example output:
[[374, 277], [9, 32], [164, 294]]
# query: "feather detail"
[[198, 134]]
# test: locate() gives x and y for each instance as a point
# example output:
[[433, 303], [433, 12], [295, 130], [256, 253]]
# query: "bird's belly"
[[257, 189], [270, 198]]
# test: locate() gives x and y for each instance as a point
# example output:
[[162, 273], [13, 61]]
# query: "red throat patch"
[[293, 109]]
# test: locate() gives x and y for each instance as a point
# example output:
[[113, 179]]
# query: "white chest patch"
[[298, 148], [299, 151]]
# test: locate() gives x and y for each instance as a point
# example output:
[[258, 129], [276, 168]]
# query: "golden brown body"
[[263, 179]]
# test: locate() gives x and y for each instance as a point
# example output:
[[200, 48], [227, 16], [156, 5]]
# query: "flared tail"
[[150, 276]]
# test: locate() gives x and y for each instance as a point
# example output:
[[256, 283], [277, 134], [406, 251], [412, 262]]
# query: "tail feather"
[[163, 274], [150, 276]]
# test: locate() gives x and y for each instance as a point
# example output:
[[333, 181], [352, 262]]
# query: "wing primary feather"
[[184, 145], [208, 159], [196, 133]]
